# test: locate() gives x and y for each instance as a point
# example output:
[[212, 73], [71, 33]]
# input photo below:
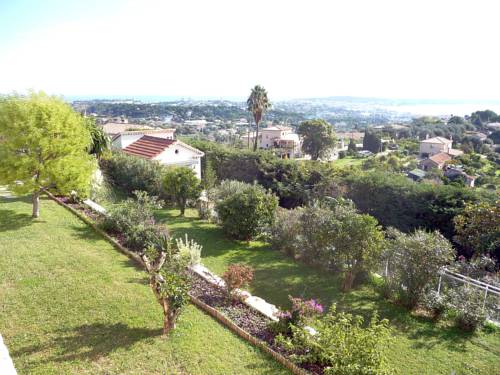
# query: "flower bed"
[[245, 317]]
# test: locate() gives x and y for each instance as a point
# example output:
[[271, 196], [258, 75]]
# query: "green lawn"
[[72, 304], [347, 161], [419, 346]]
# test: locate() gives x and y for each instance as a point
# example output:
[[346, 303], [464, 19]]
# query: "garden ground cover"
[[72, 304], [419, 346]]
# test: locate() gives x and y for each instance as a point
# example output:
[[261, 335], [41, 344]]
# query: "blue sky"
[[220, 48]]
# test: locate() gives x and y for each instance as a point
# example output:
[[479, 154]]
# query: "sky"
[[438, 49]]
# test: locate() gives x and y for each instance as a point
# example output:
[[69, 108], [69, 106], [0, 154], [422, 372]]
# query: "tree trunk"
[[36, 204], [166, 318], [348, 281], [256, 135]]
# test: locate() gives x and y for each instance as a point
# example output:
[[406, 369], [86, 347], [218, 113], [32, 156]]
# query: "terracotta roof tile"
[[148, 147], [440, 158]]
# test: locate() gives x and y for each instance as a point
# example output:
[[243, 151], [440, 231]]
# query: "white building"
[[161, 146], [437, 145], [280, 138]]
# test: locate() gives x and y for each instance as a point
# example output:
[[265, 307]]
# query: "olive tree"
[[43, 145], [413, 262]]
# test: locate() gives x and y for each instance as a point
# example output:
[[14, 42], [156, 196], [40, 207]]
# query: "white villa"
[[159, 145], [279, 138], [432, 146]]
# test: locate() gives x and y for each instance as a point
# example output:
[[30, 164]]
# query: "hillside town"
[[219, 188]]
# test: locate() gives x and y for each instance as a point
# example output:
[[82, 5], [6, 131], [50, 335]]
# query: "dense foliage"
[[133, 220], [372, 141], [245, 212], [331, 236], [413, 263], [44, 145], [342, 344], [318, 138], [478, 229], [130, 173], [182, 185]]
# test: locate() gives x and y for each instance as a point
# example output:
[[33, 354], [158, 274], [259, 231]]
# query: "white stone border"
[[6, 364]]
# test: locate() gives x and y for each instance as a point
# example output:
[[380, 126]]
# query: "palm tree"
[[258, 104], [100, 141]]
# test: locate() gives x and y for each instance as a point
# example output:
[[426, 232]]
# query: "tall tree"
[[319, 138], [44, 145], [257, 103], [372, 141]]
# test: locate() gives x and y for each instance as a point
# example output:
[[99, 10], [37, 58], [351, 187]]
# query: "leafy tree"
[[478, 228], [182, 184], [372, 141], [258, 104], [44, 146], [351, 147], [356, 243], [168, 279], [319, 138], [100, 142], [343, 344], [495, 136], [244, 212], [413, 262]]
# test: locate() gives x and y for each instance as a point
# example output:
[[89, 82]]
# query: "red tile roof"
[[440, 158], [148, 147]]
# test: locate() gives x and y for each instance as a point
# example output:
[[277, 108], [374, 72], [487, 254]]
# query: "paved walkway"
[[6, 365]]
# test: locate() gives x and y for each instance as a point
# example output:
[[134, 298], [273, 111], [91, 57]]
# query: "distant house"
[[436, 145], [114, 128], [416, 174], [160, 146], [277, 137], [197, 124], [435, 161], [454, 172]]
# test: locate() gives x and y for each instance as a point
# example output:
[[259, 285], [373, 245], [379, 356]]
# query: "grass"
[[347, 161], [72, 304], [418, 347]]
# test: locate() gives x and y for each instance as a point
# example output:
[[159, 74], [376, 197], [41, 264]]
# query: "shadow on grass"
[[12, 220], [88, 342]]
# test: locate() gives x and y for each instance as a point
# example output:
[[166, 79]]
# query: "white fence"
[[450, 280]]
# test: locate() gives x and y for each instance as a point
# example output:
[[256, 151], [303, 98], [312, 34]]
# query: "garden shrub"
[[436, 303], [467, 303], [414, 261], [236, 276], [297, 316], [133, 219], [342, 345], [189, 250], [245, 212], [181, 185], [285, 233], [130, 173]]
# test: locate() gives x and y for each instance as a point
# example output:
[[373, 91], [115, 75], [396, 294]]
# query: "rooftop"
[[440, 158], [113, 128], [440, 140], [148, 147]]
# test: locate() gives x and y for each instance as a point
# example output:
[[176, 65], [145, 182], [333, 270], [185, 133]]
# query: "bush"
[[236, 276], [301, 310], [467, 304], [245, 212], [130, 173], [436, 303], [284, 234], [342, 345], [134, 220], [189, 250], [414, 261], [181, 185]]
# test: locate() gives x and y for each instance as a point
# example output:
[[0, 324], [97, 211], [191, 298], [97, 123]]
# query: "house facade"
[[436, 145], [161, 147], [280, 138], [435, 161], [125, 138]]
